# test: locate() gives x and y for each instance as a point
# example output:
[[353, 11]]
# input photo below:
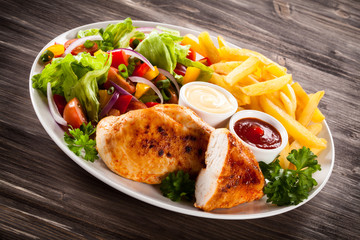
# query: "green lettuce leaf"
[[86, 90], [165, 51], [88, 32], [119, 35], [162, 50], [51, 73], [76, 76]]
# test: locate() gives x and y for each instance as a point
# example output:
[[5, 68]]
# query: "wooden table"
[[45, 195]]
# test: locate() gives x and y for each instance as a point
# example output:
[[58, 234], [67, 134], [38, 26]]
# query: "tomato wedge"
[[122, 103], [73, 113]]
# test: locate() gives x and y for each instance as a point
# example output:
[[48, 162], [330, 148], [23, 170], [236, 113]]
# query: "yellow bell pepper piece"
[[98, 52], [151, 74], [141, 89], [57, 49], [104, 98], [192, 73]]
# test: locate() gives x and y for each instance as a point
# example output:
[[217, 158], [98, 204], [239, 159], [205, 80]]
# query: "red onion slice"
[[171, 77], [80, 41], [110, 104], [147, 82], [147, 29], [53, 108], [135, 54], [123, 91], [180, 67]]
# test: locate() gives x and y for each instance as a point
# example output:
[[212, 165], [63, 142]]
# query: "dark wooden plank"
[[45, 195]]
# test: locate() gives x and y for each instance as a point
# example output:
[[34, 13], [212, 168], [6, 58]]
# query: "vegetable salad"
[[114, 70]]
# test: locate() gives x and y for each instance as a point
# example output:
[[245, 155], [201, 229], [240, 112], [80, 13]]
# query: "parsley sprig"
[[177, 186], [80, 143], [290, 187]]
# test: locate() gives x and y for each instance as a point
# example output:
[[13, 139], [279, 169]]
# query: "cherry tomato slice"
[[73, 113], [82, 48]]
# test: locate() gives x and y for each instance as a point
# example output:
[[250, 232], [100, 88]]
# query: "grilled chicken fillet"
[[145, 145], [232, 175]]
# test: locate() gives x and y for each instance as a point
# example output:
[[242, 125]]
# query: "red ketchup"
[[258, 133]]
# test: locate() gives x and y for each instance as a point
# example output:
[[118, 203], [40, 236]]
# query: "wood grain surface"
[[45, 195]]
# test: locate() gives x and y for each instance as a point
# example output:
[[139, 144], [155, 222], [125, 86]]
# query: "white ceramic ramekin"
[[264, 155], [213, 119]]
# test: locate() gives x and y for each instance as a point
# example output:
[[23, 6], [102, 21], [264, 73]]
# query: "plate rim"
[[197, 213]]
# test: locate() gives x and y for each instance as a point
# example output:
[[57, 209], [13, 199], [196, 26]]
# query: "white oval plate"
[[149, 193]]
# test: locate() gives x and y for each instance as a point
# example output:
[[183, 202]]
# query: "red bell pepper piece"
[[140, 70], [119, 57], [122, 103], [206, 61], [191, 55], [151, 104]]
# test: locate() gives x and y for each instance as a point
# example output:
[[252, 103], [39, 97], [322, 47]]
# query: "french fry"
[[254, 103], [267, 86], [284, 163], [208, 45], [310, 107], [244, 69], [241, 54], [232, 54], [293, 127], [241, 98], [225, 67], [221, 42], [218, 80], [248, 80], [191, 40], [290, 93], [289, 107], [275, 98], [313, 128], [303, 98], [275, 70]]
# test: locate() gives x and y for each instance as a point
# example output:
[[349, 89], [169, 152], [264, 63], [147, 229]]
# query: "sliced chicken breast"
[[147, 144], [232, 175]]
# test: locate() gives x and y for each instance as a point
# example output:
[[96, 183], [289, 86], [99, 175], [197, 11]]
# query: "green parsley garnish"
[[178, 186], [290, 187], [79, 139]]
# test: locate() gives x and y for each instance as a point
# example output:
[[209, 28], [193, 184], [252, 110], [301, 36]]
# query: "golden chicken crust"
[[145, 145], [237, 180]]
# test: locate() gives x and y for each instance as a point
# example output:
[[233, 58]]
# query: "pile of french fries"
[[259, 83]]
